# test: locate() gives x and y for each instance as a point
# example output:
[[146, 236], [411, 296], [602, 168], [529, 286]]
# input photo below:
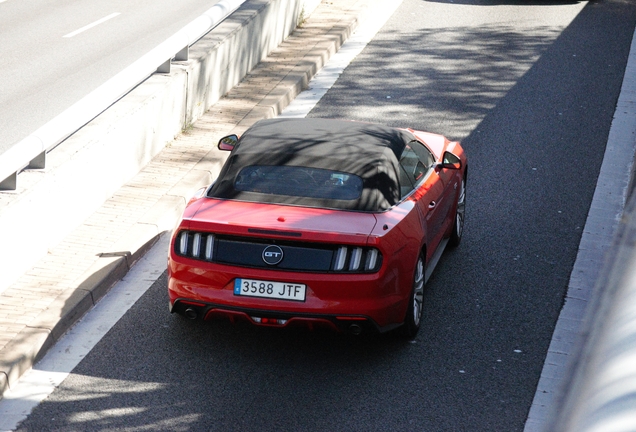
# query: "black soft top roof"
[[369, 151]]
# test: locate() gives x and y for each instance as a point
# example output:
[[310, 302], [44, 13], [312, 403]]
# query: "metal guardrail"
[[30, 153]]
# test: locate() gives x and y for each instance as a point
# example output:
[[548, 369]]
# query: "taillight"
[[341, 258], [356, 256], [195, 245], [356, 259], [183, 243], [209, 247], [372, 259]]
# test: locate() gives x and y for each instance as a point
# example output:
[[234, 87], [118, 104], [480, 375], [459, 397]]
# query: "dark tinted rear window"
[[299, 181]]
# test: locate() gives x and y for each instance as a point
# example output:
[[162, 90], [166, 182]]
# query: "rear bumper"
[[354, 324], [331, 299]]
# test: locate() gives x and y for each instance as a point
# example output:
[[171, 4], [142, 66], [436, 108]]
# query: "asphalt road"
[[42, 72], [530, 89]]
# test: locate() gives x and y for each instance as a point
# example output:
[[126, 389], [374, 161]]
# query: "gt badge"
[[272, 255]]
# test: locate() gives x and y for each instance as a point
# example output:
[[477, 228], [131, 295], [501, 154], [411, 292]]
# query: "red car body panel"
[[419, 222], [236, 217]]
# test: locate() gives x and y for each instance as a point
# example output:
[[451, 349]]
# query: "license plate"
[[269, 289]]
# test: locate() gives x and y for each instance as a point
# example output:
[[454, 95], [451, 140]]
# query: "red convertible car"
[[320, 222]]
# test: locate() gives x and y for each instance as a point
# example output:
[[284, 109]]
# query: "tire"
[[460, 216], [415, 309]]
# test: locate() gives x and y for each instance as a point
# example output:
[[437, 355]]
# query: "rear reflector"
[[270, 321]]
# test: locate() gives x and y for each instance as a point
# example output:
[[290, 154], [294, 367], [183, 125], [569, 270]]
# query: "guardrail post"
[[38, 162], [165, 67], [10, 183], [183, 54]]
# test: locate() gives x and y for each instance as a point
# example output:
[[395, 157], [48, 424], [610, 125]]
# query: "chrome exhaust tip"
[[355, 329], [191, 313]]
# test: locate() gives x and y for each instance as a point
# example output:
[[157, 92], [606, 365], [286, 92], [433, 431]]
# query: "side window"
[[415, 162], [423, 153], [409, 164], [406, 185]]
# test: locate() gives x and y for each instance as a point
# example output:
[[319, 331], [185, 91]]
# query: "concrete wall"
[[222, 59]]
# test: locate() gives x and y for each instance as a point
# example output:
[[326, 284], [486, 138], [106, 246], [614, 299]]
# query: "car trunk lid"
[[283, 222]]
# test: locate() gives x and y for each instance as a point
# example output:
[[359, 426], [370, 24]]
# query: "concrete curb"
[[40, 334]]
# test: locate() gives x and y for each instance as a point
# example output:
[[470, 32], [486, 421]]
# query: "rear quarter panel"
[[400, 237]]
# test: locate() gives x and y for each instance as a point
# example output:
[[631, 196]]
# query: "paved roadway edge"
[[576, 368]]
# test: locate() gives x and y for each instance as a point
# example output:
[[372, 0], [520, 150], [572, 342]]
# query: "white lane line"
[[39, 382], [91, 25], [329, 74]]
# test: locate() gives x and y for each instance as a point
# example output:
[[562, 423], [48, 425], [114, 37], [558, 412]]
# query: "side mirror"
[[450, 161], [228, 143]]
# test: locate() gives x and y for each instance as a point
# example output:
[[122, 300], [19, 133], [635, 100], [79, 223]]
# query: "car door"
[[427, 189]]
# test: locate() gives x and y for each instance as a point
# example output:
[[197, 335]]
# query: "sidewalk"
[[46, 301]]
